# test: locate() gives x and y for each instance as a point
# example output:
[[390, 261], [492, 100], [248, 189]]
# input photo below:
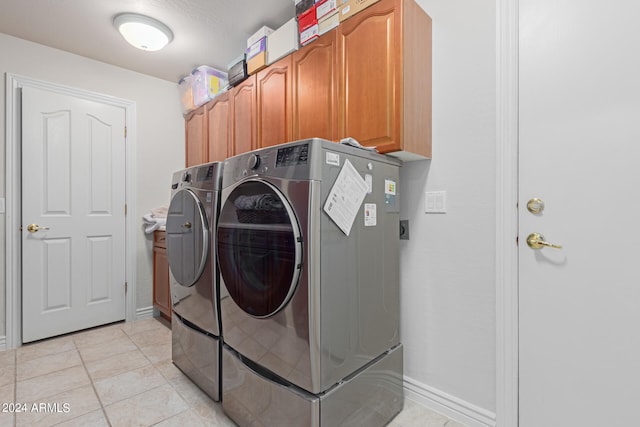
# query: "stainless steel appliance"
[[310, 282], [195, 320]]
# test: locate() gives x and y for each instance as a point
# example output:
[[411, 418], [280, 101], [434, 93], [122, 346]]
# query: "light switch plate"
[[435, 202]]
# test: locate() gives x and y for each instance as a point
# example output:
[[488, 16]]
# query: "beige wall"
[[448, 267], [160, 133]]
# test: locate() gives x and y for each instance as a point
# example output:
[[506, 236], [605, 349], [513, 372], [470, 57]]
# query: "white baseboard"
[[446, 404], [144, 313], [3, 343]]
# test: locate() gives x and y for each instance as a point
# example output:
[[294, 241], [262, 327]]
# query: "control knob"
[[253, 162]]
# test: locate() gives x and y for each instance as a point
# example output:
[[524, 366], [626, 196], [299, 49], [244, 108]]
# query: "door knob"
[[34, 228], [187, 224], [536, 241]]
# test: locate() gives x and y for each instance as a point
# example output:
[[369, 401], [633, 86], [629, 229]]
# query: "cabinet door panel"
[[161, 293], [274, 103], [195, 133], [218, 127], [315, 90], [370, 85], [243, 117]]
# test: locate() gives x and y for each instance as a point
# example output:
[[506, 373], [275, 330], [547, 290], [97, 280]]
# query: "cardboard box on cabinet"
[[351, 7], [303, 5], [328, 23], [308, 26], [325, 8], [257, 63], [262, 32], [256, 48], [282, 41]]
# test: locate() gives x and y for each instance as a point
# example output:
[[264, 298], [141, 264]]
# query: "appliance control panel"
[[294, 155]]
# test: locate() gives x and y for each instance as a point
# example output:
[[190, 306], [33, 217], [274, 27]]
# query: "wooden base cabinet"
[[384, 78], [161, 290]]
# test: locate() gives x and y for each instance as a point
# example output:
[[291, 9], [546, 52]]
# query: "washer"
[[310, 309], [195, 320]]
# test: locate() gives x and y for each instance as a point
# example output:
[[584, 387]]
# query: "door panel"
[[314, 95], [73, 188], [218, 128], [579, 311], [274, 103], [243, 116]]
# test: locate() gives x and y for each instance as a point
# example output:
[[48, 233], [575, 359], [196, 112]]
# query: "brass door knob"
[[187, 225], [536, 241], [34, 228]]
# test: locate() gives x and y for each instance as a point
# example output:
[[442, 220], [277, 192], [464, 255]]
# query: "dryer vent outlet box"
[[404, 229]]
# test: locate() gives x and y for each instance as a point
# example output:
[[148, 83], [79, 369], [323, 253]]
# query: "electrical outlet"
[[435, 202], [404, 229]]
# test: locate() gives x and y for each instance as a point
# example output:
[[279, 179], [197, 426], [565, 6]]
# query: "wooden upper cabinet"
[[195, 134], [219, 138], [243, 116], [384, 78], [315, 89], [274, 103], [370, 79]]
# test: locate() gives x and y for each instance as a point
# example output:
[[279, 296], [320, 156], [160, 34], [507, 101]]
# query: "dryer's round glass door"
[[187, 237], [259, 248]]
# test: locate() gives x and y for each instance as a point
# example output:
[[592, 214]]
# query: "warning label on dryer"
[[345, 197]]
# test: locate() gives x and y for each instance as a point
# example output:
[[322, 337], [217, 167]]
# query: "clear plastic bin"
[[207, 82], [185, 92]]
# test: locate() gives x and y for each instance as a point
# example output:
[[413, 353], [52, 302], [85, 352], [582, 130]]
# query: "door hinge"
[[126, 287], [125, 209], [125, 132]]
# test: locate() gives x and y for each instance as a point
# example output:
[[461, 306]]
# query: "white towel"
[[156, 220]]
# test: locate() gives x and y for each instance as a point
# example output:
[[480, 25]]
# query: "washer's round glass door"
[[187, 237], [259, 248]]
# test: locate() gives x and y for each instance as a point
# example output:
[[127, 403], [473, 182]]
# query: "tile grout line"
[[84, 365], [163, 376]]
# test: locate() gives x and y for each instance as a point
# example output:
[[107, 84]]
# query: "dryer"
[[310, 307], [195, 320]]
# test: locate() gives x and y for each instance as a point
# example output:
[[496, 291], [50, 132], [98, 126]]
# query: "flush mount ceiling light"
[[143, 32]]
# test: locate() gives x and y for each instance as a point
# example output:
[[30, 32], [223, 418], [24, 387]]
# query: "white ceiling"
[[206, 32]]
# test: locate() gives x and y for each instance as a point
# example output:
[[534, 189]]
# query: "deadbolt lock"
[[535, 206]]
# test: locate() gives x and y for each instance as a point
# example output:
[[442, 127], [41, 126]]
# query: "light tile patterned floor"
[[119, 375]]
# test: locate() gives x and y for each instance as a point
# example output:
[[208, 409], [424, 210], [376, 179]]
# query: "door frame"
[[13, 164], [507, 280]]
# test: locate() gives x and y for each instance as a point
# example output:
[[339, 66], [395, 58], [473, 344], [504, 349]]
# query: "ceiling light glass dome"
[[142, 31]]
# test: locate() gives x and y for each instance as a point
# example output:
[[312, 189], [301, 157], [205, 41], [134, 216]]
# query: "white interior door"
[[579, 149], [73, 213]]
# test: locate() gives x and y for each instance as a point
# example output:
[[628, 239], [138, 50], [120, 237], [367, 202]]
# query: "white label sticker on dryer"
[[345, 197], [369, 180], [370, 217], [333, 158]]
